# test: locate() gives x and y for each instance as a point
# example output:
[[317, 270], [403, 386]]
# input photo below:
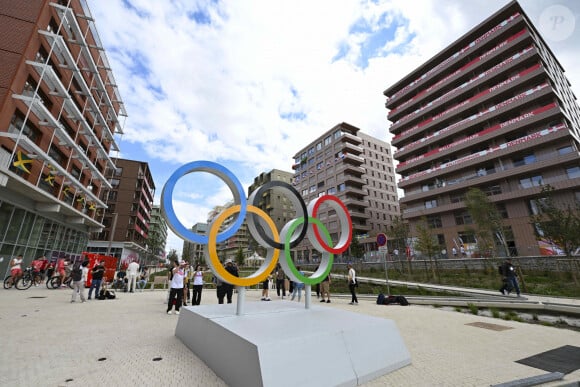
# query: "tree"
[[427, 243], [172, 256], [356, 249], [488, 222], [240, 256], [399, 235], [559, 224]]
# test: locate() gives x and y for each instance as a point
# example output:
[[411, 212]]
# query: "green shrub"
[[473, 309]]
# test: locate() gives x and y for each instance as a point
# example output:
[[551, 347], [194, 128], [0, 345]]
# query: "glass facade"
[[32, 235]]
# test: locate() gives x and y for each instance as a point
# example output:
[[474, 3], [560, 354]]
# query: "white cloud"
[[223, 91]]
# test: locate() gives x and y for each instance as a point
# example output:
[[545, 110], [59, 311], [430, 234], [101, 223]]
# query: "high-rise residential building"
[[157, 236], [59, 114], [195, 252], [358, 169], [494, 111], [128, 214], [274, 202]]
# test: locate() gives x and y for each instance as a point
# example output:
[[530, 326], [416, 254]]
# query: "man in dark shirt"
[[229, 288], [510, 281], [97, 273]]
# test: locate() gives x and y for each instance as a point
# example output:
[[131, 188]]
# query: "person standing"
[[79, 277], [176, 288], [197, 285], [132, 273], [325, 289], [352, 284], [454, 252], [297, 288], [229, 288], [97, 278], [280, 276], [266, 288]]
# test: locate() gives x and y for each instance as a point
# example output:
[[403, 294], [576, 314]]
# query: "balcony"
[[350, 158], [353, 149], [349, 138], [349, 178]]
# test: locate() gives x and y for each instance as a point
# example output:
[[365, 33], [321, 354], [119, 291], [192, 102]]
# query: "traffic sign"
[[381, 239]]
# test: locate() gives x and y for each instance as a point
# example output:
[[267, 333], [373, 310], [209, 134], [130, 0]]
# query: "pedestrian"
[[510, 281], [297, 287], [229, 288], [176, 288], [454, 252], [318, 284], [16, 269], [220, 289], [280, 276], [462, 249], [142, 282], [352, 284], [97, 272], [49, 271], [79, 277], [265, 288], [197, 285], [325, 289], [132, 273], [186, 275]]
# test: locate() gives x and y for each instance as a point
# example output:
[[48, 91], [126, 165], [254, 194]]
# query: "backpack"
[[77, 273]]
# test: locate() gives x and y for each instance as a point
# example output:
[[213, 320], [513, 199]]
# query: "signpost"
[[382, 243]]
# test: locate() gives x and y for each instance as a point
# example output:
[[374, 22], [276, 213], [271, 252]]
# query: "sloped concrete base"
[[280, 343]]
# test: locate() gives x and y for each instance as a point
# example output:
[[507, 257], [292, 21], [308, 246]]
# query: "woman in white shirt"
[[176, 291], [197, 285], [352, 284]]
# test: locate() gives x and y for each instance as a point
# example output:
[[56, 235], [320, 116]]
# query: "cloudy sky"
[[248, 83]]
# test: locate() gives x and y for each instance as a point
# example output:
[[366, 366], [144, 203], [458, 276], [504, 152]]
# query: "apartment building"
[[59, 116], [493, 110], [359, 170], [157, 237], [128, 215], [195, 252]]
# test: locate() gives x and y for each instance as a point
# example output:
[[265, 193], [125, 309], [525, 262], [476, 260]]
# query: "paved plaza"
[[130, 341]]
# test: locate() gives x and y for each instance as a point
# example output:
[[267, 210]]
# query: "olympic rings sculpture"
[[261, 226]]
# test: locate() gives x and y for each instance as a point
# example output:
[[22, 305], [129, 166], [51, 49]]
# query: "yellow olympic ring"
[[269, 263]]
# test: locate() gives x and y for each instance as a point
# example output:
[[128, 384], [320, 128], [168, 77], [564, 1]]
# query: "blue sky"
[[248, 83]]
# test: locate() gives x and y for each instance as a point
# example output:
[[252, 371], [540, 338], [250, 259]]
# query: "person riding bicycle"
[[39, 266], [16, 268]]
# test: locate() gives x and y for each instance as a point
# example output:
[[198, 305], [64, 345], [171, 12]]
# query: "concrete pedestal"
[[280, 343]]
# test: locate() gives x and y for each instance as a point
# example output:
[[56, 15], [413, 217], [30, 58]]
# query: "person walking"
[[280, 276], [176, 291], [266, 288], [97, 273], [352, 284], [197, 285], [132, 273], [325, 289], [79, 277], [511, 281]]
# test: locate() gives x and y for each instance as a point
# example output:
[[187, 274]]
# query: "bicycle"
[[55, 282], [28, 278], [8, 282]]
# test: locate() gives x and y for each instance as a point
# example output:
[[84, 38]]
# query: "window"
[[341, 187], [573, 172], [56, 155], [29, 130], [492, 190], [327, 140], [331, 191], [466, 237], [462, 217], [524, 160], [311, 151], [501, 208], [118, 171], [434, 221], [114, 183], [565, 150], [312, 188], [529, 182], [337, 134], [431, 203], [319, 146]]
